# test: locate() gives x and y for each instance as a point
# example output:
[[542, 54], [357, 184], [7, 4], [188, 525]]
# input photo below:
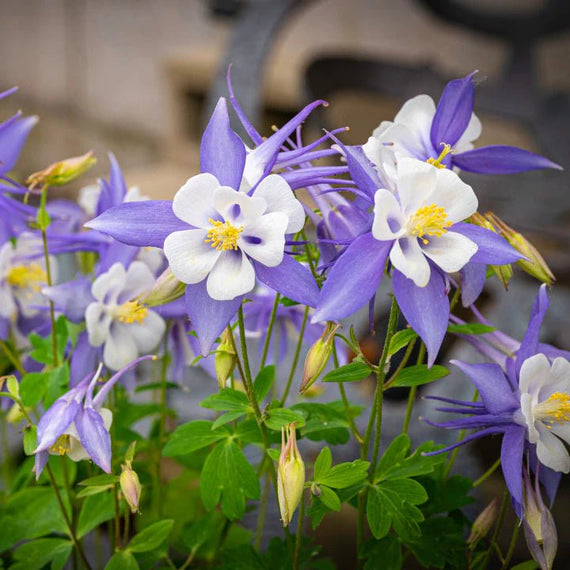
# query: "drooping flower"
[[420, 129]]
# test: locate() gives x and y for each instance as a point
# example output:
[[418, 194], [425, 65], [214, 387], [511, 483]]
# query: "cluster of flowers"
[[395, 207]]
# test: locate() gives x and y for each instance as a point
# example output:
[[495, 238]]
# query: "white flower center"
[[429, 220], [223, 235]]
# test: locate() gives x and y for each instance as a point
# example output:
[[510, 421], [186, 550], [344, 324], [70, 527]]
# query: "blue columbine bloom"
[[227, 226], [420, 129], [528, 402]]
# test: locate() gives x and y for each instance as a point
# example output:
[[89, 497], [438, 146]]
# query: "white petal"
[[7, 304], [407, 257], [148, 333], [97, 322], [405, 142], [238, 207], [233, 275], [451, 251], [107, 287], [388, 221], [527, 403], [417, 114], [189, 256], [76, 450], [471, 133], [264, 239], [194, 202], [559, 380], [139, 279], [280, 198], [120, 348], [107, 416], [561, 430], [551, 451], [534, 374], [416, 183], [454, 195]]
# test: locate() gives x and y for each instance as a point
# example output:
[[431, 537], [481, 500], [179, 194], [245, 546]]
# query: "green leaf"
[[345, 474], [36, 554], [226, 419], [278, 417], [407, 489], [528, 565], [412, 466], [400, 339], [33, 386], [90, 491], [378, 514], [227, 400], [192, 436], [99, 480], [58, 382], [196, 534], [94, 511], [446, 494], [352, 372], [394, 454], [263, 382], [151, 537], [323, 422], [329, 498], [122, 560], [274, 453], [470, 328], [30, 439], [228, 477], [384, 554], [418, 375], [322, 463]]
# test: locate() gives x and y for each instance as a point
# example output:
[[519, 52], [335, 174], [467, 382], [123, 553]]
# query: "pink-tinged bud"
[[130, 486], [534, 264], [62, 172], [483, 523], [538, 524], [166, 289], [225, 360], [290, 474], [317, 357]]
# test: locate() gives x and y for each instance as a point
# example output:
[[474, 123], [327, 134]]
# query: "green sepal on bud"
[[165, 290], [290, 474], [317, 357], [534, 264], [225, 360], [62, 172], [129, 481], [483, 523]]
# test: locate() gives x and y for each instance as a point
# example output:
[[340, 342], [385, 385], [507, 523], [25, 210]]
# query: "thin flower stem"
[[299, 536], [7, 456], [127, 525], [269, 330], [487, 473], [162, 423], [117, 525], [413, 392], [498, 525], [295, 358], [262, 511], [12, 357], [512, 546], [72, 534], [402, 364]]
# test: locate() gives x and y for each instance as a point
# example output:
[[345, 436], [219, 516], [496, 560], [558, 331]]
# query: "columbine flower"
[[124, 327], [420, 129], [529, 404]]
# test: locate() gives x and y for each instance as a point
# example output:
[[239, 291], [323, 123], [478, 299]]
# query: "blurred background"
[[139, 77]]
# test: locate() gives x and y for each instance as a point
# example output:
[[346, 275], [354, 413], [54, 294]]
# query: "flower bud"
[[15, 415], [290, 474], [539, 528], [62, 172], [166, 289], [317, 357], [483, 523], [12, 385], [534, 264], [130, 486], [225, 360]]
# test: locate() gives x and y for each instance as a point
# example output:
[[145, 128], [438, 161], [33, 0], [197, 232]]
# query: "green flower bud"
[[130, 486], [225, 360], [483, 523], [290, 474], [317, 357], [166, 289], [62, 172]]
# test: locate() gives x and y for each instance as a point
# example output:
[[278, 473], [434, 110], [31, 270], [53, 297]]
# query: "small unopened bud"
[[534, 264], [166, 289], [316, 490], [317, 357], [225, 360], [290, 474], [62, 172], [483, 523], [130, 486], [539, 528]]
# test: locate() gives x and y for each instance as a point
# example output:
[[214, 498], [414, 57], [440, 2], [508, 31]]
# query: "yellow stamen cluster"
[[437, 161], [223, 236], [428, 220], [131, 312], [30, 276], [61, 446], [554, 410]]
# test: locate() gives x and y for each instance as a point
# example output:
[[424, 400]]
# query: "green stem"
[[117, 525], [413, 392], [487, 473], [12, 357], [127, 526], [295, 358], [262, 511], [7, 456], [498, 525], [72, 534], [402, 364], [299, 536], [269, 330], [512, 546]]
